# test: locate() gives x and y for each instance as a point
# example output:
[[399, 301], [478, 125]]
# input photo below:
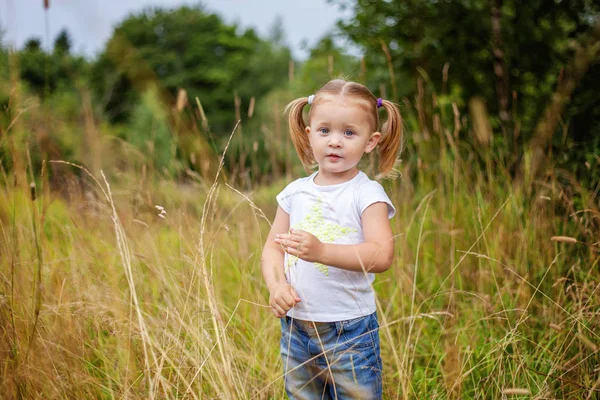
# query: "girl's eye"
[[324, 130], [348, 133]]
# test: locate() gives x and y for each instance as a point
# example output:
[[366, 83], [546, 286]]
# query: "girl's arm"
[[282, 295], [374, 255]]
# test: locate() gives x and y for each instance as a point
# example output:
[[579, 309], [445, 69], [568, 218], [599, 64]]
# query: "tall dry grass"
[[152, 289]]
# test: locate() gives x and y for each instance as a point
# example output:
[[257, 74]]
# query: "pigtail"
[[298, 132], [391, 137]]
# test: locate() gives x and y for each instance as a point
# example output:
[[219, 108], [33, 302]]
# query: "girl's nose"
[[335, 140]]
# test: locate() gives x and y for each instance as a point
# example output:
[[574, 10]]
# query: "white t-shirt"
[[333, 214]]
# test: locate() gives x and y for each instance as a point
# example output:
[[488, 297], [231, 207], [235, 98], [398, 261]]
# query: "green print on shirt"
[[326, 232]]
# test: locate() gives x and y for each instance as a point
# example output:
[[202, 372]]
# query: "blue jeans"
[[331, 360]]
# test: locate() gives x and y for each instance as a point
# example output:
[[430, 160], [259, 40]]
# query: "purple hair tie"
[[379, 102]]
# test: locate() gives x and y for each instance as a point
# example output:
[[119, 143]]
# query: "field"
[[130, 286]]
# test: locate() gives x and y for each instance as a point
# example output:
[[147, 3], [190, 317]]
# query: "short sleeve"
[[372, 192], [284, 199]]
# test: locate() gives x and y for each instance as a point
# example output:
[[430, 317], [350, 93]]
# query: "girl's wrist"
[[322, 254], [271, 286]]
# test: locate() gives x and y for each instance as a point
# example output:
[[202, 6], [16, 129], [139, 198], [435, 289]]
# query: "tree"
[[63, 42], [187, 48], [44, 72], [493, 47], [327, 61], [33, 63], [4, 78], [33, 45]]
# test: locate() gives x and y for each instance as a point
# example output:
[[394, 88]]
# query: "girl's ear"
[[372, 143], [307, 130]]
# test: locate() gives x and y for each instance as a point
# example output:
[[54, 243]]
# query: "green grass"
[[480, 303]]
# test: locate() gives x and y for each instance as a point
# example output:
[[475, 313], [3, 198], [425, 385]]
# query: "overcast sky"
[[90, 22]]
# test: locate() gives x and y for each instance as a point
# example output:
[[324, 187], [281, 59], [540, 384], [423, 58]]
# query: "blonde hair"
[[391, 131]]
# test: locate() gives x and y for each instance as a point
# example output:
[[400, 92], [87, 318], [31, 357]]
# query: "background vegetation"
[[132, 219]]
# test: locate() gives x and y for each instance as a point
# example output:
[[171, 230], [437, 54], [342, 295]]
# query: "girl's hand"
[[282, 298], [301, 244]]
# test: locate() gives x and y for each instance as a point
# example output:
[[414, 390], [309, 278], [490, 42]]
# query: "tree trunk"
[[502, 84], [585, 54]]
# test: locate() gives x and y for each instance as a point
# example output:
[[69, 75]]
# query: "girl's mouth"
[[333, 157]]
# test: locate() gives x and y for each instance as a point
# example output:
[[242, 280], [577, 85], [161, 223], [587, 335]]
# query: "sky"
[[90, 22]]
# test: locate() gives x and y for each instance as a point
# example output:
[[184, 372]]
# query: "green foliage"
[[149, 131], [162, 50], [536, 43], [63, 42], [187, 48], [44, 72], [428, 34], [580, 140], [4, 79], [326, 61], [33, 62]]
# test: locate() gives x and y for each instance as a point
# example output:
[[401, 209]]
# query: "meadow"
[[123, 283]]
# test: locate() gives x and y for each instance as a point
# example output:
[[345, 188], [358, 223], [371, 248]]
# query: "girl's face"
[[340, 132]]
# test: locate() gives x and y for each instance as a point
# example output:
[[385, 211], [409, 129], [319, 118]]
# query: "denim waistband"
[[312, 326], [309, 327]]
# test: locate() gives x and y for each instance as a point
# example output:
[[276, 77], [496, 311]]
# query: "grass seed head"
[[565, 239]]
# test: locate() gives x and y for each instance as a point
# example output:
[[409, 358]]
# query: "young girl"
[[330, 235]]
